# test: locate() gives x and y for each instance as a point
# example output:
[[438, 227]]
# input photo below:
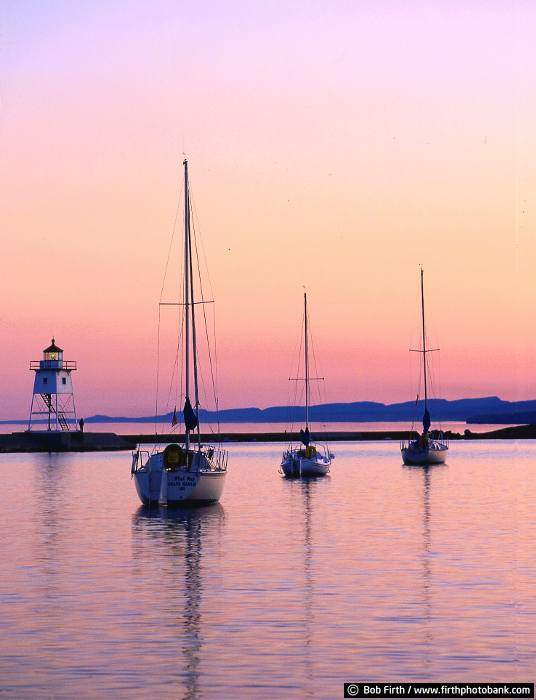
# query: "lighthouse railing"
[[68, 365]]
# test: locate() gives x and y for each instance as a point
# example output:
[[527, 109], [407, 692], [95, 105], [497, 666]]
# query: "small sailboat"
[[309, 458], [188, 473], [430, 447]]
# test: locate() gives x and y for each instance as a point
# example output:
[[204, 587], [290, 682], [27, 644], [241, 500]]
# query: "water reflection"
[[175, 537], [423, 474], [51, 477], [42, 557], [308, 489], [391, 572]]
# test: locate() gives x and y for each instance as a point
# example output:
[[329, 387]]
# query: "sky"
[[333, 147]]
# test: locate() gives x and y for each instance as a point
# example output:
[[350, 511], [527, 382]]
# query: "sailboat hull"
[[156, 485], [294, 465], [201, 488], [207, 489], [435, 453]]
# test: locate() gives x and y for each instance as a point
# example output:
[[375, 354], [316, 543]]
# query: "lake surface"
[[286, 589]]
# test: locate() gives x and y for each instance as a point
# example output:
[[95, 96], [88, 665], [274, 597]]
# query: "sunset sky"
[[336, 146]]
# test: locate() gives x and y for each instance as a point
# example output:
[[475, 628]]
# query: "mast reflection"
[[309, 489], [424, 474], [176, 538]]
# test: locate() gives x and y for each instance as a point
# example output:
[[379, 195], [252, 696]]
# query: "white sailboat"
[[430, 447], [309, 458], [187, 474]]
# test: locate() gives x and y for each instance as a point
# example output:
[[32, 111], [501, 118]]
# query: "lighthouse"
[[53, 398]]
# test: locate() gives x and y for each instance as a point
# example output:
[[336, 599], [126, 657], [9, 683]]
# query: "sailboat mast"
[[424, 345], [187, 289], [306, 364], [194, 343]]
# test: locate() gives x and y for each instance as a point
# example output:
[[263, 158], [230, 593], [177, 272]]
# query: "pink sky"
[[333, 145]]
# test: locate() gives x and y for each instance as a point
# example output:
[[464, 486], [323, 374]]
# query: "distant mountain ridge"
[[490, 409]]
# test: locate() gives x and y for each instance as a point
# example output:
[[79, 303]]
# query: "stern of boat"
[[147, 477], [423, 451]]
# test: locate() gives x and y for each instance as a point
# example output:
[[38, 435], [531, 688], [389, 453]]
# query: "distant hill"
[[490, 409], [519, 412]]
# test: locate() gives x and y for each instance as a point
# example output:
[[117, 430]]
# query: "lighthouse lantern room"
[[53, 398]]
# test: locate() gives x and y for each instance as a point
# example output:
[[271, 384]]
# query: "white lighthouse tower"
[[53, 398]]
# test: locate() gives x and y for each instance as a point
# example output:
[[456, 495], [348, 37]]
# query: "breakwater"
[[66, 441], [62, 441], [272, 437], [515, 432]]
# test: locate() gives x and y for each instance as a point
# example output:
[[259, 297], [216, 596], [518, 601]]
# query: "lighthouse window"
[[45, 380], [64, 380]]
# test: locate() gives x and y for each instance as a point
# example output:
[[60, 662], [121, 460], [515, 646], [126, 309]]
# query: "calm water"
[[285, 590]]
